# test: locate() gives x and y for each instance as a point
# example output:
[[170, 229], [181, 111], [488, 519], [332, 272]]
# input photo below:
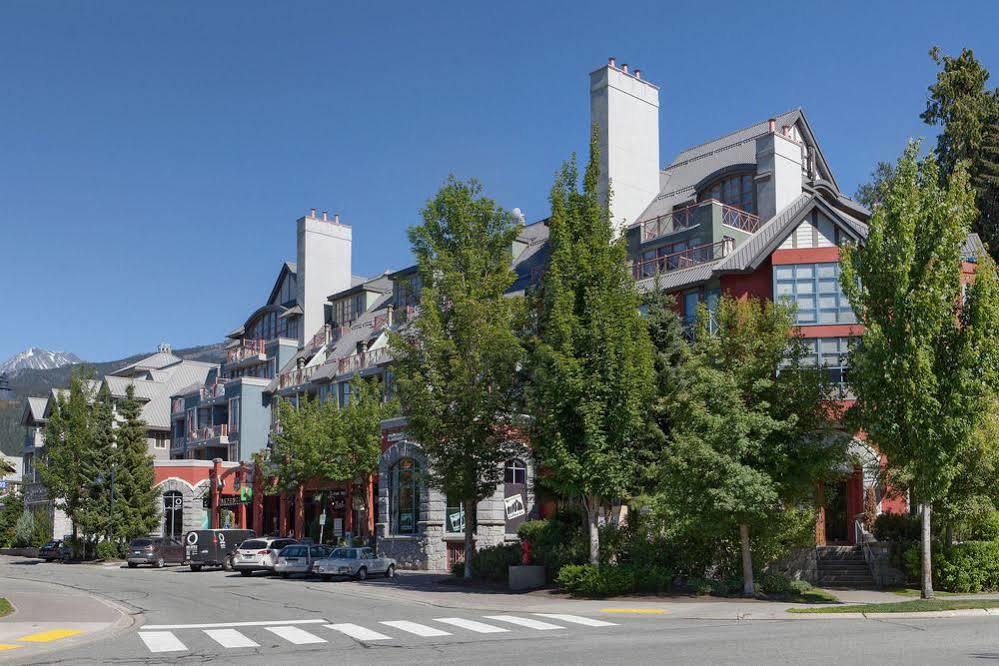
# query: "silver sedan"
[[299, 558], [358, 563]]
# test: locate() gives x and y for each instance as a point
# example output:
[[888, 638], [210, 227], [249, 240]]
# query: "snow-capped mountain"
[[37, 359]]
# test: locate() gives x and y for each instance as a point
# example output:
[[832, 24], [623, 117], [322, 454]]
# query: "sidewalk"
[[426, 588], [50, 617]]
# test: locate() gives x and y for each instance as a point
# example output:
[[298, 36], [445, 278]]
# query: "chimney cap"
[[336, 218], [624, 67], [772, 123], [638, 73], [313, 212], [612, 61]]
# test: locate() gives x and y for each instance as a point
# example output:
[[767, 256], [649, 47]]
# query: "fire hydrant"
[[525, 552]]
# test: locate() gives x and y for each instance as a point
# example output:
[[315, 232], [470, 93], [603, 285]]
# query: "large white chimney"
[[323, 268], [626, 109], [778, 171]]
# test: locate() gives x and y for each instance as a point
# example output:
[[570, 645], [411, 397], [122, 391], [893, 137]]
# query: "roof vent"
[[164, 348]]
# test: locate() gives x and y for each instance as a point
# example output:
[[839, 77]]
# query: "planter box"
[[526, 577], [23, 552]]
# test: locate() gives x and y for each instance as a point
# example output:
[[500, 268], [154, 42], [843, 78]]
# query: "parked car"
[[156, 551], [259, 554], [356, 562], [299, 558], [214, 548], [52, 550]]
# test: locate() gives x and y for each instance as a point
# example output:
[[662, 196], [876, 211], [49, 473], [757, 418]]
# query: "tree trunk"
[[466, 506], [927, 564], [748, 587], [592, 515]]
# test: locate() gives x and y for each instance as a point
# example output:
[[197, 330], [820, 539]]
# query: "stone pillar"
[[241, 511], [300, 511], [283, 514]]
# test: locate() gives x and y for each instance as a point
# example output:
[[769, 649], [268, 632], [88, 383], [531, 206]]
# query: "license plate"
[[136, 552], [291, 559]]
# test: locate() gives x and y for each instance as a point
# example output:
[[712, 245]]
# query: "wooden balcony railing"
[[692, 256], [296, 377], [740, 219], [365, 359], [245, 350], [690, 216]]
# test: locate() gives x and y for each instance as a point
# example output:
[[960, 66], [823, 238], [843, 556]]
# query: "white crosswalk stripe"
[[576, 619], [524, 622], [230, 638], [471, 625], [161, 641], [358, 632], [295, 635], [415, 628]]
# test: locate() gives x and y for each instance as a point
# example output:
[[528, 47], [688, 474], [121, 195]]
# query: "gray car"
[[358, 563], [299, 558]]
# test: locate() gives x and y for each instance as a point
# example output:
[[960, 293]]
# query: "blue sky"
[[155, 155]]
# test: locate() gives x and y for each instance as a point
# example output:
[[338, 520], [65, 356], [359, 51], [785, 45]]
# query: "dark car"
[[52, 550], [214, 548], [156, 551]]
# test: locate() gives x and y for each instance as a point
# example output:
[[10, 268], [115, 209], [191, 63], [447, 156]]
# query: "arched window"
[[404, 500], [516, 472], [514, 494], [173, 515], [735, 190]]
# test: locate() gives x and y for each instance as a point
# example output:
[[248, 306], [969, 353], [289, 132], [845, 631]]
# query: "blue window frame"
[[815, 289], [832, 355], [690, 302]]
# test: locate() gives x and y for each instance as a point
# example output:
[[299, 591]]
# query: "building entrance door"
[[835, 509]]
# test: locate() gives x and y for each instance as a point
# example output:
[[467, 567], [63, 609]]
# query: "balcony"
[[212, 392], [692, 256], [366, 359], [297, 377], [208, 435], [177, 446], [248, 352], [705, 212]]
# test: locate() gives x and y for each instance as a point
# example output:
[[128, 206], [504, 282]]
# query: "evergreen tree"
[[870, 194], [95, 515], [961, 102], [135, 509], [925, 372], [749, 431], [69, 440], [456, 364], [592, 380]]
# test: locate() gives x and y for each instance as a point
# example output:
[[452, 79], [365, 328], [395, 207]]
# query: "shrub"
[[556, 542], [43, 528], [491, 562], [972, 566], [596, 581], [24, 530], [775, 583], [799, 586], [109, 550], [897, 527], [980, 526]]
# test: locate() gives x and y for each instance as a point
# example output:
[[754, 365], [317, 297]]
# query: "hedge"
[[972, 566], [610, 580], [491, 562]]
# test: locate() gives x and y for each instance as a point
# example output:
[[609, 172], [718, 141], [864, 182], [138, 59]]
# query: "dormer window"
[[736, 190]]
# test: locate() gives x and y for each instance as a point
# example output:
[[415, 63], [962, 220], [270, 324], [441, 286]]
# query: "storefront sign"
[[515, 506], [396, 436]]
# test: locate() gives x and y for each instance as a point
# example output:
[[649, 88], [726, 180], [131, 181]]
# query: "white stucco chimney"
[[626, 109], [778, 171], [324, 268]]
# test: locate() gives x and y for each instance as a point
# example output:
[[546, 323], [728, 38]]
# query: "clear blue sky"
[[155, 155]]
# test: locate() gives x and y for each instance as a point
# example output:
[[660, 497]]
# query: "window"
[[690, 302], [816, 291], [832, 355], [454, 517], [344, 394], [515, 472], [404, 498], [173, 515], [161, 441], [234, 415], [737, 191]]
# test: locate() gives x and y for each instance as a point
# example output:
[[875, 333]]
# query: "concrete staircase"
[[843, 566]]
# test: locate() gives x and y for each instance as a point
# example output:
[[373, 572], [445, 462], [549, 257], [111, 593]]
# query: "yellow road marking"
[[8, 646], [47, 636], [638, 611]]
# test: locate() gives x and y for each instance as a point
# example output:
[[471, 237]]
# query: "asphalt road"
[[184, 617]]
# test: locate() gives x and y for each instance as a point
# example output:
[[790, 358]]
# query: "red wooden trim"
[[831, 331], [810, 255]]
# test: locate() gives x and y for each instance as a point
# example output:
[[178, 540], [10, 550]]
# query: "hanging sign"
[[322, 518], [515, 506]]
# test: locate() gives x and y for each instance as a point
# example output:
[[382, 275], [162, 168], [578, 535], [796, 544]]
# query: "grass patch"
[[914, 606], [814, 596], [915, 592], [5, 607]]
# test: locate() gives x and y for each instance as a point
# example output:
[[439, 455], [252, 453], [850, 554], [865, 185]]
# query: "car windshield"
[[51, 544], [253, 543], [345, 554], [141, 543], [293, 551]]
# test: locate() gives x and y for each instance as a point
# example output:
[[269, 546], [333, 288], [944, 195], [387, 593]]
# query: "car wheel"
[[195, 567], [362, 573], [326, 578], [245, 572], [227, 564], [160, 563], [132, 565], [390, 572]]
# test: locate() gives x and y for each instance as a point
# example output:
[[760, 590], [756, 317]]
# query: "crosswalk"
[[234, 635]]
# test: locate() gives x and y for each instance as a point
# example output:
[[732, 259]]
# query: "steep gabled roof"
[[288, 268]]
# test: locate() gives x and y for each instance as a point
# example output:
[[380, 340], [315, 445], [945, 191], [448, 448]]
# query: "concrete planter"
[[22, 552], [526, 577]]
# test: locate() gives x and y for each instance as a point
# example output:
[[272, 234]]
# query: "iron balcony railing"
[[246, 349], [297, 376], [220, 431], [689, 217], [692, 256]]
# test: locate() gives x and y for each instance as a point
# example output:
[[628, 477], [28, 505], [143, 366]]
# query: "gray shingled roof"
[[153, 362], [683, 277], [973, 247]]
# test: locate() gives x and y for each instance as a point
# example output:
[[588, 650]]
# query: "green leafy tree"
[[69, 442], [591, 374], [11, 509], [750, 432], [296, 453], [135, 509], [870, 194], [457, 363], [961, 102], [925, 371]]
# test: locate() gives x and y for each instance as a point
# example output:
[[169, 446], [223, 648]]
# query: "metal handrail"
[[692, 256]]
